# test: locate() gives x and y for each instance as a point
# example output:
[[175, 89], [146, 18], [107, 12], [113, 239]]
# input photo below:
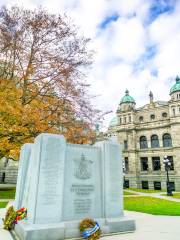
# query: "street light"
[[124, 171], [167, 165]]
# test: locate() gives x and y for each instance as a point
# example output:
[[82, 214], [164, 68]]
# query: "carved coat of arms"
[[83, 168]]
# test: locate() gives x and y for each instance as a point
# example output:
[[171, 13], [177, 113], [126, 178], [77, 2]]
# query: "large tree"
[[42, 58]]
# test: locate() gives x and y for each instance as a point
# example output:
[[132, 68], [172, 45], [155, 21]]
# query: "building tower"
[[127, 103]]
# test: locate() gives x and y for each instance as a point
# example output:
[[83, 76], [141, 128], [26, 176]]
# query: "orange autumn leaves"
[[22, 123], [18, 123]]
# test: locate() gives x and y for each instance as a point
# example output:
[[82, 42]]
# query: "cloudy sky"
[[137, 44]]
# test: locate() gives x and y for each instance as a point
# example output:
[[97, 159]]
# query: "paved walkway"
[[156, 194], [6, 200], [7, 185], [150, 227]]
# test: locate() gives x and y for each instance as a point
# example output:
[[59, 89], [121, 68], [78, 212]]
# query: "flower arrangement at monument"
[[9, 218], [21, 214], [12, 217], [89, 229]]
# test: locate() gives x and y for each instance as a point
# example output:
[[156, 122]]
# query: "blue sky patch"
[[154, 72], [113, 18], [141, 63], [150, 52], [159, 7]]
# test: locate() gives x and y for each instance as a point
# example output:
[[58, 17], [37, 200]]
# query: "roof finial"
[[177, 79], [151, 97], [127, 92]]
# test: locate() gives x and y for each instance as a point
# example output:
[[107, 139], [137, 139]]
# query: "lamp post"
[[167, 165], [124, 171]]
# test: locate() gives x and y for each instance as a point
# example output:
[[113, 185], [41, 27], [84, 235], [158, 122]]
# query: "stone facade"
[[8, 171], [148, 134]]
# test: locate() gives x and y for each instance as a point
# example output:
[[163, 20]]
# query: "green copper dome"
[[176, 86], [113, 122], [127, 98]]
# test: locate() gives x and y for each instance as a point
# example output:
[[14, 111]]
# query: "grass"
[[152, 205], [7, 193], [128, 193], [175, 195], [145, 190], [3, 204]]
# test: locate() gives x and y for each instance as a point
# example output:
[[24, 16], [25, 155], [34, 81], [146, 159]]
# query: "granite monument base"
[[69, 229]]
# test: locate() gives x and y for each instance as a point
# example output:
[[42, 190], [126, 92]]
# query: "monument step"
[[70, 229]]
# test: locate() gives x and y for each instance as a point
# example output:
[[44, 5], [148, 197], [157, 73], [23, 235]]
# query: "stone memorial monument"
[[60, 184]]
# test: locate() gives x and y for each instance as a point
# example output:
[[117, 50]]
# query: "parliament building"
[[148, 134]]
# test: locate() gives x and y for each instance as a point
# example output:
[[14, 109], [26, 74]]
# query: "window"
[[144, 163], [125, 144], [172, 162], [141, 118], [126, 183], [129, 118], [124, 119], [157, 185], [143, 142], [126, 160], [154, 141], [152, 116], [164, 114], [119, 120], [167, 141], [156, 163], [145, 185], [3, 177], [174, 112], [6, 162], [172, 186]]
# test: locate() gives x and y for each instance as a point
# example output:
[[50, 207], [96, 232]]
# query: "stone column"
[[46, 186], [24, 162], [112, 179]]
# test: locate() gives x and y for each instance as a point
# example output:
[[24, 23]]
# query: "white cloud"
[[127, 39]]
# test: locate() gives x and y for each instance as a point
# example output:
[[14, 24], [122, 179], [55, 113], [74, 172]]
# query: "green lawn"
[[3, 204], [175, 195], [128, 193], [152, 205], [145, 190], [7, 193]]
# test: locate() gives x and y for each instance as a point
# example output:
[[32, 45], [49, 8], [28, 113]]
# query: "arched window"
[[167, 141], [143, 142], [154, 141], [174, 112], [141, 118]]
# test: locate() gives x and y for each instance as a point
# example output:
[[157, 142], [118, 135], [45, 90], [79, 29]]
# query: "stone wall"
[[8, 171]]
